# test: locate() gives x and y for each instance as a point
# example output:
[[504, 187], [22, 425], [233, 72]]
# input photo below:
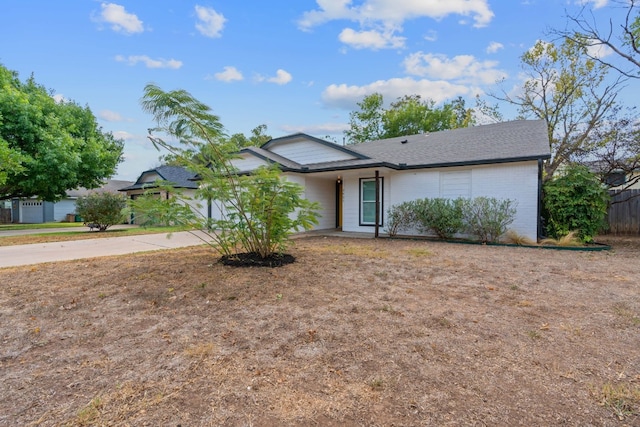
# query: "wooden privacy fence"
[[5, 216], [624, 212]]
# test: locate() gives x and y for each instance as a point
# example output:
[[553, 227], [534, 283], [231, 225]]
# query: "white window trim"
[[361, 202]]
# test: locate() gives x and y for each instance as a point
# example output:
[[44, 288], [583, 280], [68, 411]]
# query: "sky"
[[293, 65]]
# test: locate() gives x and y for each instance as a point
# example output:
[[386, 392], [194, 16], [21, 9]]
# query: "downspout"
[[539, 213], [377, 228]]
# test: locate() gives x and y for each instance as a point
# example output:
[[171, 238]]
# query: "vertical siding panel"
[[307, 152]]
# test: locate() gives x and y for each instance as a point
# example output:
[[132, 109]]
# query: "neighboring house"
[[502, 160], [178, 177], [620, 180], [35, 211], [622, 176]]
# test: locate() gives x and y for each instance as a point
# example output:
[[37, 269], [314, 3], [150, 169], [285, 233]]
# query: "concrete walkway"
[[12, 256]]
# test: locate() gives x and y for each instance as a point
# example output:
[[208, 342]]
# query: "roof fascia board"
[[425, 166]]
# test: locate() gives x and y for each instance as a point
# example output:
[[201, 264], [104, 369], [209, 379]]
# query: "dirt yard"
[[355, 332]]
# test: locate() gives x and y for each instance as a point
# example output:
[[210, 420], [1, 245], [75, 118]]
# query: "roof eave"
[[401, 166]]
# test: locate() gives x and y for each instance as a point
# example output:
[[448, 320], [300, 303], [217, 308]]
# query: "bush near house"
[[102, 209], [485, 218], [575, 201], [440, 216], [401, 217]]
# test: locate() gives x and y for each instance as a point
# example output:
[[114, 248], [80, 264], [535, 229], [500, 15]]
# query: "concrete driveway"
[[12, 256]]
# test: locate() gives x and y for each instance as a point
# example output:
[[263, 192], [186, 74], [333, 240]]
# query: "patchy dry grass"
[[356, 332], [64, 236]]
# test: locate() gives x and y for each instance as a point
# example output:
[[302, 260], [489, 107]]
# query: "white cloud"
[[58, 97], [494, 47], [121, 21], [431, 36], [210, 23], [345, 96], [121, 134], [149, 62], [112, 116], [281, 78], [597, 4], [464, 69], [599, 50], [370, 39], [229, 74], [395, 12]]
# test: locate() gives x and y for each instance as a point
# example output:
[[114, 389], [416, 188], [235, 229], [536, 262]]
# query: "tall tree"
[[366, 123], [259, 211], [408, 115], [53, 146], [572, 92], [622, 38], [256, 139], [616, 158]]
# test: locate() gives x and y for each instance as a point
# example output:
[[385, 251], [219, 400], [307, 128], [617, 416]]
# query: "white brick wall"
[[516, 181], [324, 192]]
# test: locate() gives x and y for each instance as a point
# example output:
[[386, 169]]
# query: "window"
[[615, 179], [368, 201]]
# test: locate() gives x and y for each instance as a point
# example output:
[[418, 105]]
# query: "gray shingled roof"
[[110, 185], [271, 157], [177, 176], [494, 143]]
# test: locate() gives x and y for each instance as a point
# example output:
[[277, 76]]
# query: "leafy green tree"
[[571, 92], [575, 201], [52, 146], [366, 123], [256, 139], [260, 210], [240, 140], [10, 161], [102, 209], [408, 115]]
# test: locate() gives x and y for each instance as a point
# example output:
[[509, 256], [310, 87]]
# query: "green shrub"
[[102, 209], [487, 218], [577, 201], [400, 217], [440, 216]]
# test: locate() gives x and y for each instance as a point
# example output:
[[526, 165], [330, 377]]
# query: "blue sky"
[[294, 65]]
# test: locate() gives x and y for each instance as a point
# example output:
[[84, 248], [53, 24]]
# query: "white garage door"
[[31, 211]]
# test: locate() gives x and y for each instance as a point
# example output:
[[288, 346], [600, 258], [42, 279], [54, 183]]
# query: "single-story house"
[[35, 211], [502, 160], [176, 176]]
